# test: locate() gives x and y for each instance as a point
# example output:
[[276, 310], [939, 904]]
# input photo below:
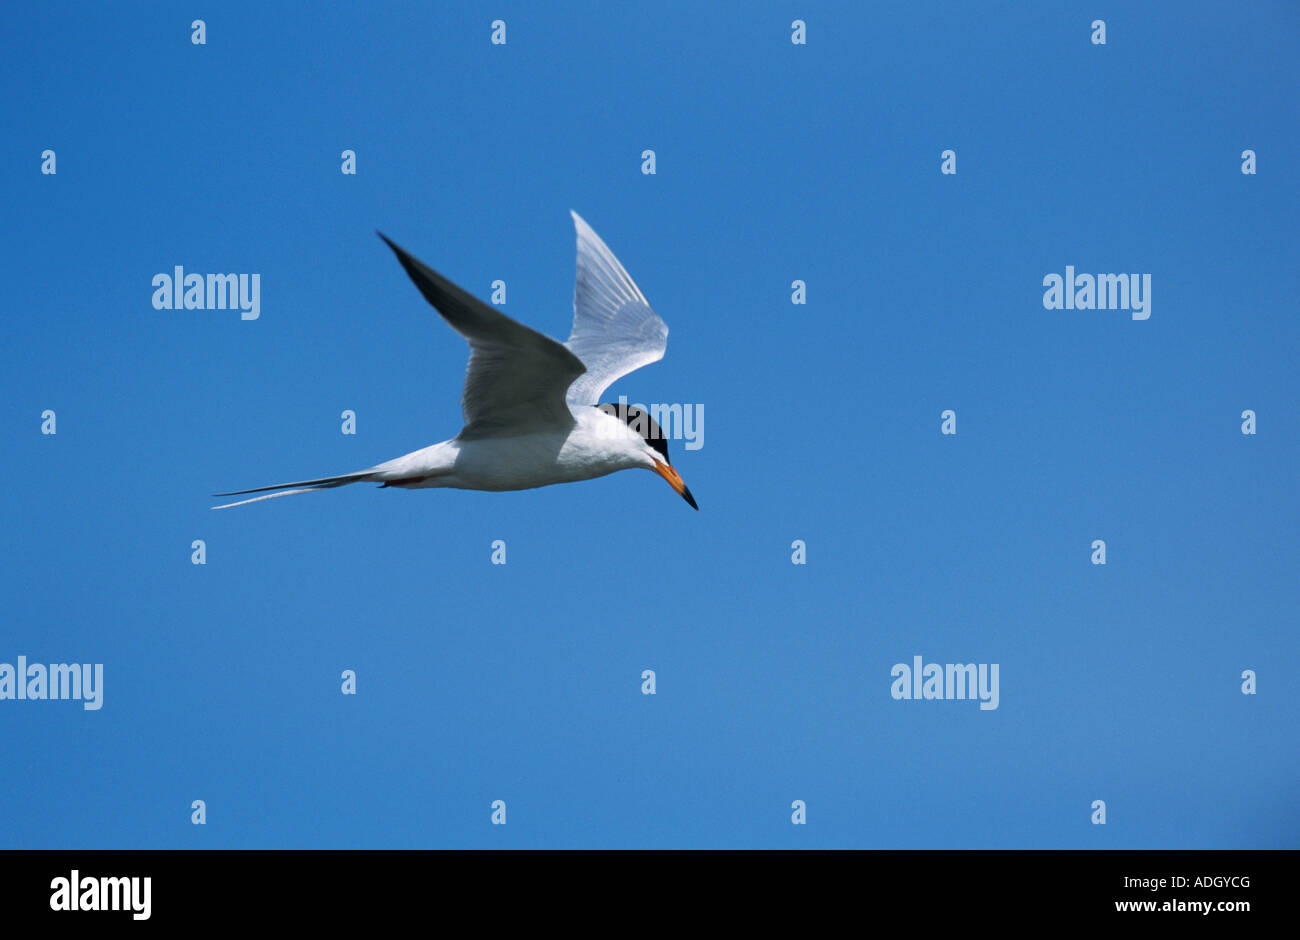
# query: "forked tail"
[[302, 486]]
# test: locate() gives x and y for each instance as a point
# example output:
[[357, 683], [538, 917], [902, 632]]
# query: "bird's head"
[[654, 445]]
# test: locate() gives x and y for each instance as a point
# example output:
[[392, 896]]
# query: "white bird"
[[530, 403]]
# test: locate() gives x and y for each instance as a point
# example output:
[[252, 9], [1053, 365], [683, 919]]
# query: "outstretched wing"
[[517, 378], [614, 329]]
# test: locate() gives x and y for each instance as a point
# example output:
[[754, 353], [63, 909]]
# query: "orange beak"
[[675, 481]]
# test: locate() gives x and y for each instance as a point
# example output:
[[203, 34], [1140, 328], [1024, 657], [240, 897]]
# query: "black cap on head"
[[641, 422]]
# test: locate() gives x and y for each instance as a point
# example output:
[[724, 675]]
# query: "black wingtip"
[[409, 261]]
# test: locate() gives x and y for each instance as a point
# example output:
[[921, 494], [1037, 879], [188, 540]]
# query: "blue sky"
[[522, 682]]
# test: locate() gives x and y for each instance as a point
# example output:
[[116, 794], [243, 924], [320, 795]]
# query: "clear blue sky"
[[522, 682]]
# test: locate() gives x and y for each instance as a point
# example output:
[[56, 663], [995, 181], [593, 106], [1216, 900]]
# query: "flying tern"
[[531, 404]]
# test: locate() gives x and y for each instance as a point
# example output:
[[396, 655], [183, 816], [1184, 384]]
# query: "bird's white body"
[[596, 445], [530, 402]]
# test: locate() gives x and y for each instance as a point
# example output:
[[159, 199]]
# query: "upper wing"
[[614, 329], [516, 377]]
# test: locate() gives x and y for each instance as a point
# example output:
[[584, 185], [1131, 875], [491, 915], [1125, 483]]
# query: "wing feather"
[[517, 378], [615, 331]]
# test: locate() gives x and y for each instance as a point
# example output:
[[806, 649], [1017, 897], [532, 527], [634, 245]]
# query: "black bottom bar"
[[333, 889]]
